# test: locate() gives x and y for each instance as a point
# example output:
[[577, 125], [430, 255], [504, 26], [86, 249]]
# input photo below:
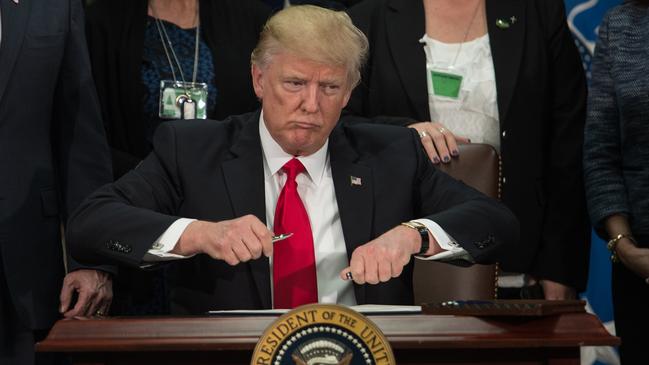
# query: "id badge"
[[445, 82], [182, 100]]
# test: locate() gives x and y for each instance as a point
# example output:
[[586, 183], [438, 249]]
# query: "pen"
[[280, 237]]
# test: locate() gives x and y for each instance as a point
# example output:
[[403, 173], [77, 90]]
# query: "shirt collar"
[[276, 157]]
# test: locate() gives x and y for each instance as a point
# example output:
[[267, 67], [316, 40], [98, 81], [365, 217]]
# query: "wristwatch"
[[423, 232]]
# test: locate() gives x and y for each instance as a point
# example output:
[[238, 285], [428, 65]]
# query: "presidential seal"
[[322, 334]]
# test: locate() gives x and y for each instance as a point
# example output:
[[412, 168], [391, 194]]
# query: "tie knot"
[[292, 169]]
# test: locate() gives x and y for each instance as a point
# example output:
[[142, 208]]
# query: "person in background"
[[505, 73], [616, 169], [357, 201], [149, 56], [136, 45], [53, 153]]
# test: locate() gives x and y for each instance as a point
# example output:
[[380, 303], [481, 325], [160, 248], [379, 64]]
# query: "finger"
[[439, 140], [230, 257], [462, 140], [357, 268], [252, 244], [371, 270], [346, 274], [384, 269], [95, 308], [80, 308], [106, 296], [256, 236], [451, 142], [397, 270], [429, 147], [241, 251], [65, 297], [264, 236]]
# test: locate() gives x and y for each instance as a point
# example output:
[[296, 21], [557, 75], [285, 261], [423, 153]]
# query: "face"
[[301, 100]]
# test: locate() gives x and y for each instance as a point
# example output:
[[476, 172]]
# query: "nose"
[[311, 99]]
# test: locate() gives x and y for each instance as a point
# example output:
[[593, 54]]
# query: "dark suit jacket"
[[214, 171], [116, 41], [52, 147], [541, 101]]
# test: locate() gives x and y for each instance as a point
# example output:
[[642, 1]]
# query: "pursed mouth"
[[305, 125]]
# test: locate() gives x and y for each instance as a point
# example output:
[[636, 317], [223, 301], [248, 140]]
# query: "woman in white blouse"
[[502, 72]]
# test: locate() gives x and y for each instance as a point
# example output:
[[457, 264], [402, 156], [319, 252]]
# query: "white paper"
[[364, 309]]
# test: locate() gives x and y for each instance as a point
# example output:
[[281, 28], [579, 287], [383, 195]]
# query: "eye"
[[331, 89], [293, 85]]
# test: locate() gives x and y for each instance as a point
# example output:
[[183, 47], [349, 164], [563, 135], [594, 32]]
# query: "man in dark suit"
[[234, 178], [52, 154]]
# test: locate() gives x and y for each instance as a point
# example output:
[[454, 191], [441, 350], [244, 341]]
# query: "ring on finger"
[[423, 134], [442, 130], [99, 313]]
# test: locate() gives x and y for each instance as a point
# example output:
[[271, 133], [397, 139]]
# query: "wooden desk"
[[415, 339]]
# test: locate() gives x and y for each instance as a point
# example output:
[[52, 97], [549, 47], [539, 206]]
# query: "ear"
[[257, 80]]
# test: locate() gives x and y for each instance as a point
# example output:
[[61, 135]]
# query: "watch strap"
[[423, 232]]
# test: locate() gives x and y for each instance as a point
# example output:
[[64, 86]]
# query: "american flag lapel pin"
[[355, 181]]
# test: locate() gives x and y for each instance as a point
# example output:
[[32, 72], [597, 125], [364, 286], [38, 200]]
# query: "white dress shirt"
[[317, 191]]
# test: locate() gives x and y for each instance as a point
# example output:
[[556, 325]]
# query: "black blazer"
[[214, 171], [116, 42], [52, 147], [541, 101]]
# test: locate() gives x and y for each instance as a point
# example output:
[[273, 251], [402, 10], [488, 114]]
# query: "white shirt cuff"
[[167, 241], [452, 249]]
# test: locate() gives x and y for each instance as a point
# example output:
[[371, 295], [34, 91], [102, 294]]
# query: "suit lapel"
[[14, 25], [405, 24], [506, 47], [244, 179], [354, 192]]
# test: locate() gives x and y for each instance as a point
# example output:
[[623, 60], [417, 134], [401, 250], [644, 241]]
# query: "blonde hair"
[[316, 33]]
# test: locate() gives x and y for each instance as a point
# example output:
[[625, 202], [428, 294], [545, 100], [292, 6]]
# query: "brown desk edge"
[[403, 332]]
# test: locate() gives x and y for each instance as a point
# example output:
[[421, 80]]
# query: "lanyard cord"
[[165, 40], [466, 33]]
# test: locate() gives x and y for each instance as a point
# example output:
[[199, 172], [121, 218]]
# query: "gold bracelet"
[[612, 244]]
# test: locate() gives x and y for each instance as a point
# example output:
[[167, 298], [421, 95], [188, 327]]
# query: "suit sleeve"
[[563, 255], [78, 138], [481, 225], [120, 222]]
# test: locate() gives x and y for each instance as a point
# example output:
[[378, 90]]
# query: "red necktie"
[[294, 274]]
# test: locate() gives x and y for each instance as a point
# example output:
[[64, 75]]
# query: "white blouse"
[[474, 114]]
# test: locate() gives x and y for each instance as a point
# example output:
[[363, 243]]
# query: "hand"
[[233, 241], [95, 293], [633, 257], [557, 291], [440, 143], [384, 257]]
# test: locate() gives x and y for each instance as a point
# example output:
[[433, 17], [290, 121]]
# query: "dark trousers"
[[631, 311], [17, 340]]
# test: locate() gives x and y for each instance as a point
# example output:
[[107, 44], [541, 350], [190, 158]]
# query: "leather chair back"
[[478, 166]]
